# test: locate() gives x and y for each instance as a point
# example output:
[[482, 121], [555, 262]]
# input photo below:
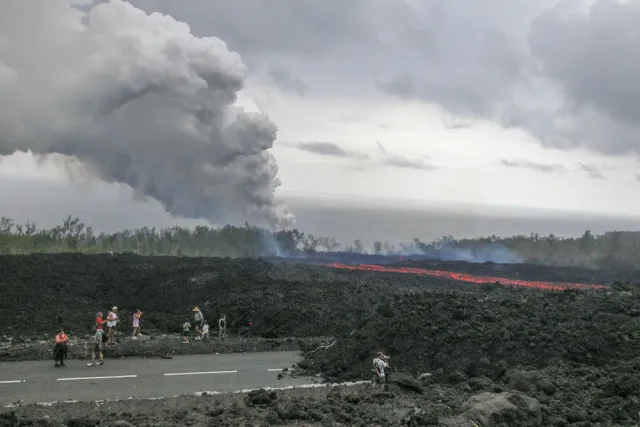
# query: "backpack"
[[376, 368]]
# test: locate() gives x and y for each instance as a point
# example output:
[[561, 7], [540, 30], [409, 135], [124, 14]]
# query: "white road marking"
[[200, 373], [97, 378], [12, 381], [275, 369]]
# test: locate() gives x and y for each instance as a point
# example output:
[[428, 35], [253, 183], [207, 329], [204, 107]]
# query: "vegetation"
[[615, 249]]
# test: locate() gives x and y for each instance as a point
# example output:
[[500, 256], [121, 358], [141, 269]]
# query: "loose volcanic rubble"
[[461, 354]]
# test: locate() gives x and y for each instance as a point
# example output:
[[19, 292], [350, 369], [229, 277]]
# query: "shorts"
[[197, 324], [185, 333]]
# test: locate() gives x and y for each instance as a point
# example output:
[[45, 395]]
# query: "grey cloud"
[[403, 85], [395, 160], [593, 57], [592, 170], [454, 122], [545, 66], [329, 149], [287, 82], [403, 162], [153, 108], [276, 26], [527, 164]]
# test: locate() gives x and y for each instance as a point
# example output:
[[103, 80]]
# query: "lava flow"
[[468, 278]]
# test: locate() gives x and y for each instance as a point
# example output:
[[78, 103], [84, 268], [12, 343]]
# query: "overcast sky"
[[507, 102]]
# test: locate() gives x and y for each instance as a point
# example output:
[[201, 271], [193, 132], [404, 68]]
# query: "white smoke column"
[[139, 100]]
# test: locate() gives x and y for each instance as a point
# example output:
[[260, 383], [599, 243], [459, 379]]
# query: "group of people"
[[201, 327], [105, 333]]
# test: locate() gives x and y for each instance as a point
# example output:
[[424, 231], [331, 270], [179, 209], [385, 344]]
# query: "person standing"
[[198, 321], [60, 349], [97, 348], [185, 331], [99, 320], [112, 321], [380, 362], [136, 324], [222, 327]]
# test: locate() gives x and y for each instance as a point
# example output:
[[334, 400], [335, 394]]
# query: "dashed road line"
[[12, 381], [97, 378], [200, 373], [275, 369]]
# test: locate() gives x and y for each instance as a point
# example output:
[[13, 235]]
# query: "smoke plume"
[[138, 100]]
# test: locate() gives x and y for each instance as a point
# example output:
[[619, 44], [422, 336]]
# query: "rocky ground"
[[461, 354], [340, 406]]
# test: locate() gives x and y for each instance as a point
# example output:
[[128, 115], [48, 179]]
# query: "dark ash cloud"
[[527, 164], [330, 149]]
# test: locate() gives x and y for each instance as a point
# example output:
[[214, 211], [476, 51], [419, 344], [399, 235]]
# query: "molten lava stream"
[[465, 277]]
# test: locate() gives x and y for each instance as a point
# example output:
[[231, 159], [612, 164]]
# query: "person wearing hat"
[[112, 321], [198, 320], [60, 349], [380, 362]]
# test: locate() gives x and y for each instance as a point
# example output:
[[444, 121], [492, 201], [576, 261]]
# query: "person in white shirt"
[[198, 321], [205, 332], [112, 321], [380, 362]]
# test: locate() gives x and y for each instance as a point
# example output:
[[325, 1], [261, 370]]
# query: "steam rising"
[[140, 101]]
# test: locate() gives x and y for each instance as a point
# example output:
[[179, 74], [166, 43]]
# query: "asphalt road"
[[40, 382]]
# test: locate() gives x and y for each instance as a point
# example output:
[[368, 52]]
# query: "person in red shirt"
[[99, 320], [100, 324], [60, 350]]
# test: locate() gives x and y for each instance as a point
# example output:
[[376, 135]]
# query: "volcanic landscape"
[[470, 344]]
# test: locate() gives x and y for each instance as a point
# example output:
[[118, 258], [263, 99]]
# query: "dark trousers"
[[60, 353]]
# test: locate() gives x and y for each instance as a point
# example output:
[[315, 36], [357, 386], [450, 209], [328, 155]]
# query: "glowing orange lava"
[[468, 278]]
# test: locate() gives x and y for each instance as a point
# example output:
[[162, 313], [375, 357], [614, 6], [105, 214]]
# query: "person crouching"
[[60, 349], [205, 332]]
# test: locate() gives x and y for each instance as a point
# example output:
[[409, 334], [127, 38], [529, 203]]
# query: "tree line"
[[617, 249]]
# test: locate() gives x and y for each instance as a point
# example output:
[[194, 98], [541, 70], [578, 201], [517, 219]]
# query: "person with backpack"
[[380, 362]]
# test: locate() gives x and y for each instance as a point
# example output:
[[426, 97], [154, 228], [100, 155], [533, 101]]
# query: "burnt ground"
[[542, 358]]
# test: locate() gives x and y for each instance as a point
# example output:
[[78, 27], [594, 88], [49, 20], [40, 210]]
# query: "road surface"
[[40, 382]]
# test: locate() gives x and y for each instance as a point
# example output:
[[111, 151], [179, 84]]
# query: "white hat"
[[114, 308]]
